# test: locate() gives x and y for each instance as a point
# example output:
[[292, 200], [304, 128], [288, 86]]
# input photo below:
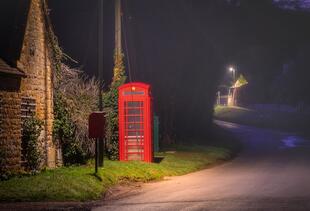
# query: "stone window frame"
[[28, 107]]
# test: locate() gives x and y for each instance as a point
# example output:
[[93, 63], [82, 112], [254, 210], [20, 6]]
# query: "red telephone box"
[[135, 122]]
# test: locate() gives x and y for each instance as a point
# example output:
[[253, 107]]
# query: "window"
[[134, 118], [28, 108]]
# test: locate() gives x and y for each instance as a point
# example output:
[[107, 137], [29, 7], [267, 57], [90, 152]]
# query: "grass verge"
[[80, 184], [296, 122]]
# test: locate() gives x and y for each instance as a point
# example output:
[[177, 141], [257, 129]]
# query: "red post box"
[[135, 122], [96, 124]]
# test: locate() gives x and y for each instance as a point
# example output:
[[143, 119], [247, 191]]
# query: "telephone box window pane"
[[135, 133], [133, 93], [134, 104], [132, 126], [134, 119], [135, 111]]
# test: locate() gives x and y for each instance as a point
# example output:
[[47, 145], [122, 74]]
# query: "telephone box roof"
[[135, 84]]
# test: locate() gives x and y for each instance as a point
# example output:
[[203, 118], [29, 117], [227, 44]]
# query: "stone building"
[[25, 78]]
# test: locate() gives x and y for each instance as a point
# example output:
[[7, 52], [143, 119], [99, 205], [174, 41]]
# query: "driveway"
[[271, 173]]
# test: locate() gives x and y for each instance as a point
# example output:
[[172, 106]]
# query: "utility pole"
[[118, 60], [100, 142], [118, 28]]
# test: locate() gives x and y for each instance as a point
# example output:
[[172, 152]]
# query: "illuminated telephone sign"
[[135, 122]]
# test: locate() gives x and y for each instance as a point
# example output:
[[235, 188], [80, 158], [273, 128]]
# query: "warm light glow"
[[231, 69], [133, 88]]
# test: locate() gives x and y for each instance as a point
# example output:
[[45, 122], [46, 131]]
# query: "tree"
[[241, 81]]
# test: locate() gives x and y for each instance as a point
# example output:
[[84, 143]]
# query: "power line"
[[126, 48]]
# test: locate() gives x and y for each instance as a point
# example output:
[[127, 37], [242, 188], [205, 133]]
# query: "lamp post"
[[232, 95], [233, 70]]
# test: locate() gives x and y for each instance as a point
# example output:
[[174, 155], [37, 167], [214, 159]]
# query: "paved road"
[[271, 173]]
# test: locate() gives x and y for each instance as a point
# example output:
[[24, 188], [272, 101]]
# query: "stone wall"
[[35, 61], [10, 129]]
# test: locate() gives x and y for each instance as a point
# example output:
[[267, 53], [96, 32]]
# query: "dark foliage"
[[3, 171], [64, 130], [31, 145], [74, 99], [110, 99]]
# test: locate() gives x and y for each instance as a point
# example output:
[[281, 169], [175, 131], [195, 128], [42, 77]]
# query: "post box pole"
[[96, 132], [101, 152], [96, 155]]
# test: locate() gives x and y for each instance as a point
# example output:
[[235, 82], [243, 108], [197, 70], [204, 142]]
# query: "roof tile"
[[6, 69]]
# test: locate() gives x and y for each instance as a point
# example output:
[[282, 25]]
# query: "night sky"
[[183, 48]]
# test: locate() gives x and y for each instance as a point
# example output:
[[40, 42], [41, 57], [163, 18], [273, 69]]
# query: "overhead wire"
[[138, 136], [124, 31]]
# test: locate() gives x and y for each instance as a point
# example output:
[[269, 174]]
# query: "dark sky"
[[183, 48], [232, 30], [248, 26], [75, 23]]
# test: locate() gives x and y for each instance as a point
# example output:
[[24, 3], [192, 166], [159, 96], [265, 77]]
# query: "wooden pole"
[[100, 70], [118, 42], [118, 28]]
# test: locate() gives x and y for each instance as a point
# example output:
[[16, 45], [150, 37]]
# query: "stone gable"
[[35, 63]]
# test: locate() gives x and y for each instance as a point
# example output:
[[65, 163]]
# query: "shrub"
[[64, 130], [74, 99], [111, 115], [3, 172], [32, 128]]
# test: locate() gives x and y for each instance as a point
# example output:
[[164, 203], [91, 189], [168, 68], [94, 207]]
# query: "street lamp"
[[233, 70]]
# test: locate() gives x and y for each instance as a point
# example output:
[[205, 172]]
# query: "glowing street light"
[[233, 70]]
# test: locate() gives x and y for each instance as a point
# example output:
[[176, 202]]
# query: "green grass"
[[286, 121], [79, 183]]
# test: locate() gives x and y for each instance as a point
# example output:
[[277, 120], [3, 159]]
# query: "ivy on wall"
[[32, 128], [111, 108]]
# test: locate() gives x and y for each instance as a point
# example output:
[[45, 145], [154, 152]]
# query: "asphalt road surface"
[[271, 173]]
